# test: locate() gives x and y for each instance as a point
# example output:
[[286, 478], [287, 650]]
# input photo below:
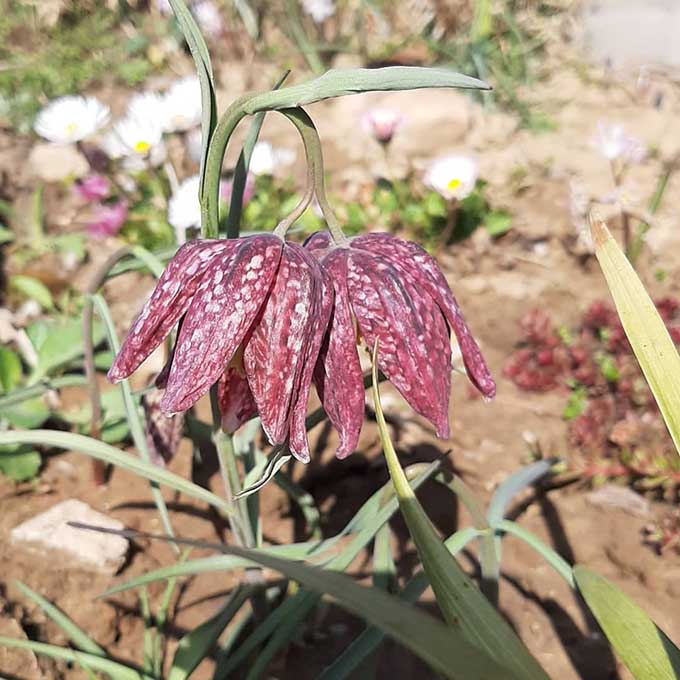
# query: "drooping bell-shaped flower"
[[253, 313], [397, 295]]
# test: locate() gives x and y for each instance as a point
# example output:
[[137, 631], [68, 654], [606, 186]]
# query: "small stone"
[[54, 162], [621, 498], [49, 532]]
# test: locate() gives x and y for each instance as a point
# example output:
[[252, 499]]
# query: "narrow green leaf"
[[240, 178], [342, 82], [645, 649], [91, 661], [304, 501], [424, 635], [284, 621], [206, 565], [644, 328], [196, 645], [469, 614], [557, 562], [32, 391], [134, 419], [110, 454], [384, 568], [32, 289], [513, 485], [201, 56], [371, 638], [78, 636]]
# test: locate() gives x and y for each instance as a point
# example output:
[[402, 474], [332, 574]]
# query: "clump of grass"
[[40, 63]]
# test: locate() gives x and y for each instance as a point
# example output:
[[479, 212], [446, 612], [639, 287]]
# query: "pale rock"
[[54, 162], [49, 533], [620, 498]]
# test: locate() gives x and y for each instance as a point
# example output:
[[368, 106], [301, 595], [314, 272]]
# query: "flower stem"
[[310, 138]]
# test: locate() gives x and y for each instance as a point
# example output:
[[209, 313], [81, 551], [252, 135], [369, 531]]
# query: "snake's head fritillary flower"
[[615, 144], [382, 123], [93, 188], [68, 120], [182, 105], [391, 291], [108, 220], [453, 177], [254, 312], [319, 10], [265, 158]]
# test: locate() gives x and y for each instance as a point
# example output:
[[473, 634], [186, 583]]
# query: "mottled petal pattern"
[[413, 341], [168, 302], [235, 399], [323, 305], [412, 259], [227, 302], [163, 435], [274, 355], [338, 376]]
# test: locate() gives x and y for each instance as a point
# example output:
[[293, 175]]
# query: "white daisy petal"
[[71, 119], [453, 177], [184, 209], [265, 158], [182, 105]]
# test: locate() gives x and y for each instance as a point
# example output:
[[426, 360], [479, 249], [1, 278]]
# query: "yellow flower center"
[[142, 147], [71, 128], [453, 184]]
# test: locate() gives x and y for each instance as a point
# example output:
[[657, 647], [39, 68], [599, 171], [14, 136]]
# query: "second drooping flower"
[[398, 296]]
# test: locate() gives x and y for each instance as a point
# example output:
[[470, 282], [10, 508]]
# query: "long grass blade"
[[648, 336], [78, 636], [645, 649], [469, 614], [110, 454]]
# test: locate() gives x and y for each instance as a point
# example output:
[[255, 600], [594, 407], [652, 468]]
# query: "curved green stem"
[[310, 138], [243, 106], [210, 198]]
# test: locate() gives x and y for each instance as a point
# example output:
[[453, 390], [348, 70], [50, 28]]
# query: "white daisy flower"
[[182, 105], [453, 177], [147, 106], [71, 119], [208, 18], [184, 209], [319, 10], [614, 143], [136, 136], [265, 158]]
